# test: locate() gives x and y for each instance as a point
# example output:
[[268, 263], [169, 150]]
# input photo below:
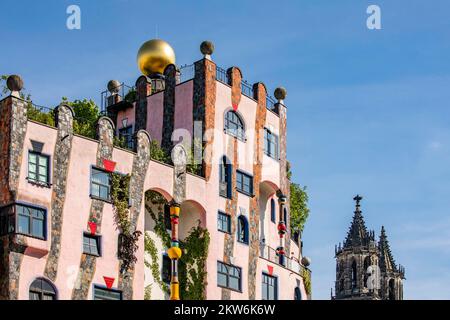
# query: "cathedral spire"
[[387, 262], [357, 234]]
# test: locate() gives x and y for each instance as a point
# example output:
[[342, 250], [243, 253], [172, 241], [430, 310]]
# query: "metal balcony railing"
[[187, 72], [122, 93], [290, 263], [221, 75]]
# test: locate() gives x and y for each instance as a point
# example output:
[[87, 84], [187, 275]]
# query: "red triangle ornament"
[[109, 165], [235, 107], [92, 227], [270, 268], [109, 282]]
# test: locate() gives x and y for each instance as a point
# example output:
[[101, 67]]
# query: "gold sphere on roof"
[[154, 56]]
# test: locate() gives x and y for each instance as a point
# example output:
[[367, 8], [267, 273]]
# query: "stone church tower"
[[365, 269]]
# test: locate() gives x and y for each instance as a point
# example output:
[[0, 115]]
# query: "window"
[[91, 244], [42, 289], [242, 235], [228, 276], [297, 294], [354, 275], [30, 221], [244, 183], [126, 136], [166, 272], [285, 217], [38, 168], [234, 125], [272, 211], [100, 184], [167, 221], [225, 178], [223, 222], [269, 287], [270, 144], [101, 293]]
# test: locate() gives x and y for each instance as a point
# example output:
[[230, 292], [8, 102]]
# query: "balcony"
[[290, 263], [120, 98]]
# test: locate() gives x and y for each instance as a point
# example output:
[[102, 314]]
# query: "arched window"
[[234, 125], [242, 235], [42, 289], [342, 285], [354, 275], [391, 289], [297, 294], [225, 178], [273, 212]]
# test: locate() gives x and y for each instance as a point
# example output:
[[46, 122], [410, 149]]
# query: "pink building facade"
[[59, 229]]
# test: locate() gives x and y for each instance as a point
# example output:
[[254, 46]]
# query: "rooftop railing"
[[122, 93], [187, 72], [247, 89], [221, 75]]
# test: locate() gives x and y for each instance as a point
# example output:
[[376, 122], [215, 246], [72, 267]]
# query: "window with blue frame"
[[271, 144], [244, 183], [269, 287], [102, 293], [126, 136], [91, 244], [225, 172], [242, 229], [228, 276], [273, 212], [100, 184], [38, 168], [23, 219], [234, 125], [223, 222]]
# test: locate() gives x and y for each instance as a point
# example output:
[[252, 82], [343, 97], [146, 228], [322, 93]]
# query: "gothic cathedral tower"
[[366, 270]]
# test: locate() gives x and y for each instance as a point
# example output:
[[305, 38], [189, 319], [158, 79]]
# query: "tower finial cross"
[[358, 199]]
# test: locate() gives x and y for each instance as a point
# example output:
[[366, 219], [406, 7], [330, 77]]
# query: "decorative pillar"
[[281, 228], [174, 252]]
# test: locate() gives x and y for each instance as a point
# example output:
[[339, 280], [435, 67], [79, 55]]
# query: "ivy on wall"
[[150, 248], [192, 264], [307, 281], [120, 193]]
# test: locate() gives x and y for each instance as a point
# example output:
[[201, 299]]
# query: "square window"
[[101, 293], [224, 222], [244, 183], [269, 287], [228, 276], [91, 244], [38, 167], [100, 184]]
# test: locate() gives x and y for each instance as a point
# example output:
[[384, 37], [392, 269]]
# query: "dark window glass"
[[244, 183], [297, 294], [273, 212], [42, 289], [242, 230], [30, 221], [225, 178], [166, 269], [38, 167], [354, 275], [234, 125], [270, 144], [228, 276], [100, 184], [126, 135], [223, 222], [269, 287], [91, 244], [285, 217], [106, 294]]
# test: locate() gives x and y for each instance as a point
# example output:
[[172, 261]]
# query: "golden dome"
[[154, 56]]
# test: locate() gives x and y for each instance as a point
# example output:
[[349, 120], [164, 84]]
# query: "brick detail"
[[138, 174], [235, 76], [13, 128], [168, 124], [231, 209], [204, 101], [260, 95], [105, 133], [61, 159], [144, 89]]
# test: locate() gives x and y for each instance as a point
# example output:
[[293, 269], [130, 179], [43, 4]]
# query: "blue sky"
[[368, 109]]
